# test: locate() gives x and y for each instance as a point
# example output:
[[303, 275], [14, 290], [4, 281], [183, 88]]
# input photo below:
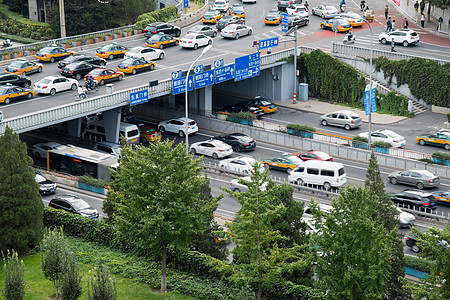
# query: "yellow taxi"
[[266, 106], [237, 10], [354, 19], [442, 196], [134, 65], [24, 67], [112, 51], [211, 16], [104, 75], [439, 138], [52, 53], [342, 24], [285, 162], [148, 134], [10, 92], [162, 41], [273, 17]]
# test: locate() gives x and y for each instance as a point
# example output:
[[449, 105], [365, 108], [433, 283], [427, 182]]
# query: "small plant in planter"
[[382, 147], [360, 142], [441, 158], [301, 130], [242, 117]]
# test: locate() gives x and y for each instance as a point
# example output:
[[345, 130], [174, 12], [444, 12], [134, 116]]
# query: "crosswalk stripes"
[[275, 33]]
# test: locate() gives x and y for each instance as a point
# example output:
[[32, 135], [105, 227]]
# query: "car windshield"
[[3, 89], [79, 204], [17, 64], [40, 178], [127, 62], [45, 81]]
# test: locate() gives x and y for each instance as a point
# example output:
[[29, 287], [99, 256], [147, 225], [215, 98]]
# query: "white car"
[[240, 164], [406, 37], [40, 149], [405, 219], [215, 148], [222, 5], [385, 135], [54, 84], [234, 31], [146, 53], [325, 11], [178, 126], [238, 187], [297, 10], [195, 40]]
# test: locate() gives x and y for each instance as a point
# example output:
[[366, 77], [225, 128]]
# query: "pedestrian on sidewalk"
[[405, 23], [306, 5], [388, 25], [422, 20], [416, 5], [393, 45], [393, 25], [439, 26], [386, 11], [422, 6]]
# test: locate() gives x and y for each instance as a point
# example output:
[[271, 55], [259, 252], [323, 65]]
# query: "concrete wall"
[[33, 10]]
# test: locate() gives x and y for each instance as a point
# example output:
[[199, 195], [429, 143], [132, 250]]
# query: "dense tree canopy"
[[21, 207]]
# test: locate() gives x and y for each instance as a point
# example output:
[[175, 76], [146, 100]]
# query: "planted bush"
[[241, 116], [394, 104], [418, 263], [298, 128], [358, 138], [382, 144], [86, 179], [441, 155]]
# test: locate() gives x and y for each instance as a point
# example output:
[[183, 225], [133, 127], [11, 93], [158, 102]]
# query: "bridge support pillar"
[[111, 120], [171, 100], [74, 127], [205, 101]]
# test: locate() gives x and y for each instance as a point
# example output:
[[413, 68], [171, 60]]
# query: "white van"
[[324, 173], [129, 131]]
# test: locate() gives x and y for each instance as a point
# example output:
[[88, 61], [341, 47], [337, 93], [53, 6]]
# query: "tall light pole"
[[295, 63], [186, 111], [370, 84], [62, 19]]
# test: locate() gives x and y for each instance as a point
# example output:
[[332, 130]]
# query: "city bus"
[[78, 161]]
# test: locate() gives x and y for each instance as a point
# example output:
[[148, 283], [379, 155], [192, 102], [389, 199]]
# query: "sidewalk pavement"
[[322, 108]]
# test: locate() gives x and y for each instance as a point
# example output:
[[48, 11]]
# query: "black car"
[[416, 199], [411, 241], [98, 61], [160, 27], [77, 70], [245, 107], [239, 141], [227, 20], [14, 79], [74, 205], [45, 186], [297, 21], [283, 4]]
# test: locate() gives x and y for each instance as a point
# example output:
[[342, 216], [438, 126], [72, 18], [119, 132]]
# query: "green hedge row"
[[162, 15], [299, 127], [418, 263], [393, 104]]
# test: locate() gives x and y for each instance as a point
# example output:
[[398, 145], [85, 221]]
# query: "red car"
[[313, 154], [103, 75]]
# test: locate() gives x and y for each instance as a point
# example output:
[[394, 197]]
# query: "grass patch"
[[39, 288]]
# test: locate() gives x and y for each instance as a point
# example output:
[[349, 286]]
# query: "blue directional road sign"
[[284, 22], [198, 69], [218, 63], [204, 79], [186, 3], [179, 85], [224, 73], [372, 107], [176, 75], [138, 97], [247, 66], [268, 43]]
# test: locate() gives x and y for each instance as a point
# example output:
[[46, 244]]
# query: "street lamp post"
[[370, 84], [186, 111]]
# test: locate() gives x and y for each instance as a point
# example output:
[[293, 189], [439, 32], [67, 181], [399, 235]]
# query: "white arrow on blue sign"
[[224, 73], [204, 79], [247, 66], [179, 85]]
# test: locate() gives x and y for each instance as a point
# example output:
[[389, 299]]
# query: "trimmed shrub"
[[442, 155], [382, 144], [358, 138], [298, 127], [241, 116], [93, 181], [418, 263], [393, 104]]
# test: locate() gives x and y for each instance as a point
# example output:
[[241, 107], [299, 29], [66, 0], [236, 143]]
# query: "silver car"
[[206, 30], [419, 178], [238, 187], [342, 118], [234, 31], [215, 148], [325, 11]]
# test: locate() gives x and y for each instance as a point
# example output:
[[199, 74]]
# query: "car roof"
[[321, 163], [114, 145], [417, 192], [50, 144], [156, 23]]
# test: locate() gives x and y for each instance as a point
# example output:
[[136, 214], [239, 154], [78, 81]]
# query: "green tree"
[[14, 276], [387, 213], [442, 4], [158, 198], [356, 248], [100, 284], [53, 254], [71, 288], [435, 245], [21, 207]]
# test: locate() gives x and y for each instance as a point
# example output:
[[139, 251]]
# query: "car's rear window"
[[341, 171], [413, 33], [354, 117]]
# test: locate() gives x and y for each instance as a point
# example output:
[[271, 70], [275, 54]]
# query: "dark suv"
[[159, 27], [74, 205], [415, 198], [239, 141], [98, 61], [411, 241], [77, 70], [14, 79]]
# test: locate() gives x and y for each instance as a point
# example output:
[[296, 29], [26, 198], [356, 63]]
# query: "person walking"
[[416, 5], [422, 20], [388, 25], [405, 24], [439, 26], [306, 5], [386, 11], [393, 45], [422, 6], [393, 25]]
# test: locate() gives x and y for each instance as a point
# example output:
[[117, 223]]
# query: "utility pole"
[[62, 19]]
